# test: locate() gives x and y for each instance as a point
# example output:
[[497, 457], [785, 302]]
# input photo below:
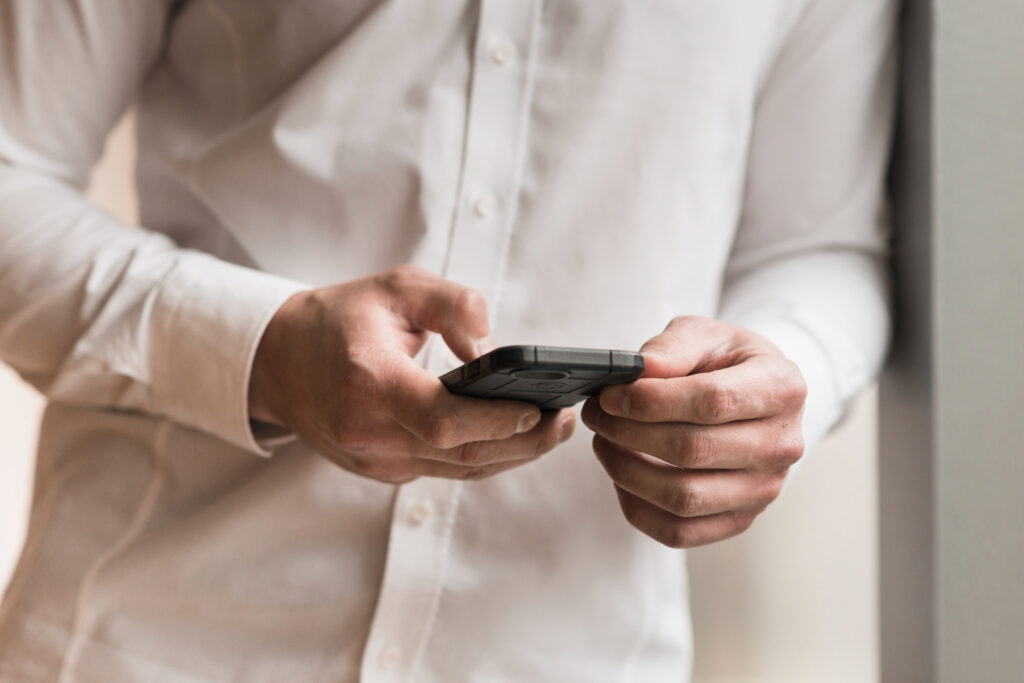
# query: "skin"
[[696, 448], [701, 444], [367, 406]]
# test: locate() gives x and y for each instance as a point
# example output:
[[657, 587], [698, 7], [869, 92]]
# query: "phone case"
[[548, 376]]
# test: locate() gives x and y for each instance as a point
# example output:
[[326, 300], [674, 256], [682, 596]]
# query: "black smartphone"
[[548, 376]]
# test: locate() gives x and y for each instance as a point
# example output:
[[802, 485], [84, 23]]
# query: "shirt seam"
[[460, 183], [447, 534], [520, 161]]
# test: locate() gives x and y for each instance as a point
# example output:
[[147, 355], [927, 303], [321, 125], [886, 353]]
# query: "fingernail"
[[565, 430], [527, 422], [615, 402]]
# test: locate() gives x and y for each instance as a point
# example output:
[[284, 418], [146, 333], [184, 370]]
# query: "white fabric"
[[594, 167]]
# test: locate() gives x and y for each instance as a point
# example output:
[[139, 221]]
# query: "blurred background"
[[794, 599]]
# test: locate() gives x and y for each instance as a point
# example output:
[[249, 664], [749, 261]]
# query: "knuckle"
[[395, 473], [795, 385], [696, 447], [401, 277], [441, 431], [679, 536], [355, 442], [644, 400], [470, 454], [392, 280], [374, 468], [684, 499], [684, 320], [792, 446], [715, 402], [772, 488], [628, 509], [740, 522], [360, 464], [606, 456], [362, 377], [470, 302], [408, 271], [476, 473]]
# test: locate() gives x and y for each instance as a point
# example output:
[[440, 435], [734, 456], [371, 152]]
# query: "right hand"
[[335, 367]]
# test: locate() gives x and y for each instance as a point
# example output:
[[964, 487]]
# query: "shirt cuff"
[[207, 321]]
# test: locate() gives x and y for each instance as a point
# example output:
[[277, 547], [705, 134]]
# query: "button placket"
[[495, 133], [414, 571], [425, 509]]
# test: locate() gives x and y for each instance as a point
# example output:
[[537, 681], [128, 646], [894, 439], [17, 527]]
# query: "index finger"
[[421, 403], [758, 387]]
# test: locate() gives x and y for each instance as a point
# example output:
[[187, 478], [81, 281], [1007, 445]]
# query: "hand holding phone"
[[550, 377], [335, 365]]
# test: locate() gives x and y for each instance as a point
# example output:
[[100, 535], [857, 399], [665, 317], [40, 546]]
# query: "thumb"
[[688, 344], [458, 313]]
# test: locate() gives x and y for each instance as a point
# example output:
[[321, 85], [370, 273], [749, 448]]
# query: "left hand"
[[719, 409]]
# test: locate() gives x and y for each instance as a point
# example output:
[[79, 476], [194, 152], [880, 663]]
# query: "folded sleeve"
[[808, 266], [94, 312]]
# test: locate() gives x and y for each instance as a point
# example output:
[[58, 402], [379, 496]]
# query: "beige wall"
[[795, 599], [792, 600]]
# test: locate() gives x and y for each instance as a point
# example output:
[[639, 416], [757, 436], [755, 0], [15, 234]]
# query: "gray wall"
[[952, 432]]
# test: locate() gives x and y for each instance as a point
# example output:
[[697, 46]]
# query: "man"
[[248, 469]]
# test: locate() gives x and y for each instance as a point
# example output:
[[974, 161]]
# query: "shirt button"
[[485, 205], [502, 52], [390, 657], [419, 512]]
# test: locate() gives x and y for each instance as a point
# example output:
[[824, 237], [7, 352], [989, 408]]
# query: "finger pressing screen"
[[433, 303]]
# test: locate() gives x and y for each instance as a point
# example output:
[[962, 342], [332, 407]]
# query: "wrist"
[[265, 378]]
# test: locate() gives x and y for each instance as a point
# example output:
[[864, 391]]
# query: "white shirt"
[[593, 167]]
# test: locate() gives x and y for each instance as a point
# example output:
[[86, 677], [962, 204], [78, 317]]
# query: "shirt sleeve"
[[808, 267], [94, 312]]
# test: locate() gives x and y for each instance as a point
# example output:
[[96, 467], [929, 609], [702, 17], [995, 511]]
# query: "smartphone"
[[551, 377]]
